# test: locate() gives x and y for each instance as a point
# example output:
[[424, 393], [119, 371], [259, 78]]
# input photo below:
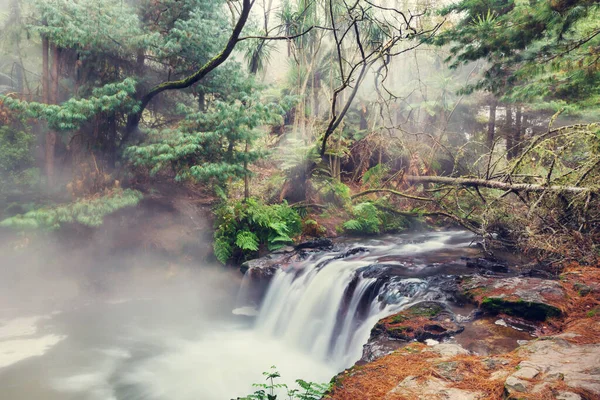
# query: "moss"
[[592, 313], [582, 289], [429, 310], [528, 310], [398, 318], [400, 329]]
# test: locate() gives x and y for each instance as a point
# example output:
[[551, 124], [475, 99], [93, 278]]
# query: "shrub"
[[366, 219], [372, 219], [242, 228], [374, 177], [332, 191], [88, 212], [310, 227]]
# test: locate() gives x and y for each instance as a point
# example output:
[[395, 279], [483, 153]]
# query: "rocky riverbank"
[[476, 328], [426, 352]]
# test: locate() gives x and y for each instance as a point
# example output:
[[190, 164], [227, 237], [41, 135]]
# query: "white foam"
[[13, 351], [220, 366], [18, 327], [95, 383]]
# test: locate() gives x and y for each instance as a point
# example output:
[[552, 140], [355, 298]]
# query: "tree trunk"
[[363, 118], [201, 101], [246, 174], [51, 134], [491, 125], [55, 74], [45, 71], [508, 129], [517, 132], [140, 62]]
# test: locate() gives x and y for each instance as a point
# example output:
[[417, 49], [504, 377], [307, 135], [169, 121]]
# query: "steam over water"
[[178, 340]]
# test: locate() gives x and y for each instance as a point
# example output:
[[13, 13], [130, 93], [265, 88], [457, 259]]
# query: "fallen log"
[[491, 184]]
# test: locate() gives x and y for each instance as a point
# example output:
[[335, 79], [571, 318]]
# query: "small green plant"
[[333, 191], [374, 176], [366, 220], [269, 391], [310, 227], [371, 218], [243, 227]]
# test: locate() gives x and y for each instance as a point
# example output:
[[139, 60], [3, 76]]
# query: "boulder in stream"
[[533, 299], [423, 321]]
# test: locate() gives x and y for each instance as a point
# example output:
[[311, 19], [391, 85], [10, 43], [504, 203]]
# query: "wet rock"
[[425, 320], [485, 336], [320, 244], [395, 291], [352, 252], [529, 298], [377, 271], [346, 254], [422, 321], [265, 262], [260, 271], [487, 264], [537, 273]]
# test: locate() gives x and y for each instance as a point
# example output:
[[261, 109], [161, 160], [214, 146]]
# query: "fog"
[[77, 323]]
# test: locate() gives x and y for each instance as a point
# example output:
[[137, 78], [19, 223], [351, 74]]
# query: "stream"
[[173, 336]]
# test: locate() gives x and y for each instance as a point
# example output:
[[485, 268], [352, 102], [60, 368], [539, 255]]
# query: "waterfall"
[[327, 305]]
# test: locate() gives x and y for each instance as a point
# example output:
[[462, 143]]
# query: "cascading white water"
[[179, 341], [308, 305]]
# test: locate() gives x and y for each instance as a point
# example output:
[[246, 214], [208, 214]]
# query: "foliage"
[[242, 228], [366, 219], [73, 113], [88, 212], [536, 51], [15, 149], [210, 146], [373, 218], [91, 25], [269, 390], [310, 227], [17, 172], [374, 177]]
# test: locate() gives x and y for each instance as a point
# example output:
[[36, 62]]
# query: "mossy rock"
[[425, 320], [529, 310]]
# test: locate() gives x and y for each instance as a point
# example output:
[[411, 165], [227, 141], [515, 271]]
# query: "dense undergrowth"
[[245, 227]]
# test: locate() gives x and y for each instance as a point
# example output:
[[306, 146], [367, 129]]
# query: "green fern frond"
[[247, 240]]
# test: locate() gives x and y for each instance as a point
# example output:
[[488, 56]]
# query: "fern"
[[242, 228], [366, 219], [246, 240], [353, 225], [222, 249], [374, 176]]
